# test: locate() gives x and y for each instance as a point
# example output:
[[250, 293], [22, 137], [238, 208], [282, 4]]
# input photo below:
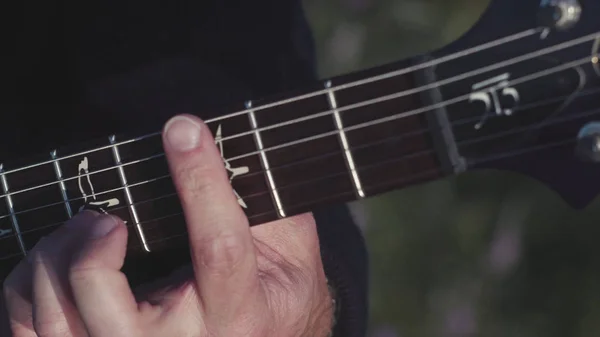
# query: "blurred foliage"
[[483, 254], [357, 34]]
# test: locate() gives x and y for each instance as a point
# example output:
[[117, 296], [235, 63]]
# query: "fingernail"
[[103, 226], [182, 133]]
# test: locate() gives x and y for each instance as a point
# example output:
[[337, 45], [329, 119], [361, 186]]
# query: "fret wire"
[[365, 124], [431, 63], [440, 60], [405, 157], [256, 194], [414, 111], [61, 184], [265, 162], [302, 161], [324, 199], [106, 147], [56, 224], [407, 178], [423, 130], [8, 193], [362, 146], [252, 216], [11, 210], [344, 142], [97, 193], [132, 162], [128, 196]]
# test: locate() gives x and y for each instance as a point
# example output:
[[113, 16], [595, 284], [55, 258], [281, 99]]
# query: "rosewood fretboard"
[[335, 142]]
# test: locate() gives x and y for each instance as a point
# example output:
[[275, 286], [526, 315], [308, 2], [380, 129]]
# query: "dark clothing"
[[82, 70]]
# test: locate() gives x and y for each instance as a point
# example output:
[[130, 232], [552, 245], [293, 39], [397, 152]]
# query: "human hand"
[[262, 281]]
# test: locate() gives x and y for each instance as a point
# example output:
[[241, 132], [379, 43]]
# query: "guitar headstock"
[[529, 76]]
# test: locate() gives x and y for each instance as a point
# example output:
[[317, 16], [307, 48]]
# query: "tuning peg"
[[559, 14], [588, 142]]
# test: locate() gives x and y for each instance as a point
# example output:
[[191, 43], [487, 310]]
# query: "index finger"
[[221, 243]]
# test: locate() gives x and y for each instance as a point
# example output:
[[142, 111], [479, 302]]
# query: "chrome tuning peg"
[[559, 14], [588, 142]]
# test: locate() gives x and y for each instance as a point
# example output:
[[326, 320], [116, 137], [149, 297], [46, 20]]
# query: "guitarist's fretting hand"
[[247, 282]]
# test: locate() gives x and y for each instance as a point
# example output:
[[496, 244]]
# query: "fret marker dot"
[[595, 60]]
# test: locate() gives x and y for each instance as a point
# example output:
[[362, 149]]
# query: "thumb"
[[100, 290]]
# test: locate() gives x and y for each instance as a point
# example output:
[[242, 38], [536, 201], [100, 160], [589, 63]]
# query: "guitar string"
[[333, 153], [338, 195], [260, 172], [351, 193], [522, 79], [159, 155], [261, 193], [362, 168], [353, 106], [341, 109], [352, 84], [423, 88], [414, 112]]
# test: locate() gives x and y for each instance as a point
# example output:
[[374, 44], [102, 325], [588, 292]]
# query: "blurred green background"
[[484, 254]]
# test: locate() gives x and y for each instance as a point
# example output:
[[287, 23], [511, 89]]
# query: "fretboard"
[[283, 160], [355, 137]]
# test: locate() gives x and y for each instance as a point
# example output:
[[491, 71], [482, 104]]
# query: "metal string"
[[322, 135], [295, 184], [358, 126], [354, 127], [434, 62], [338, 195]]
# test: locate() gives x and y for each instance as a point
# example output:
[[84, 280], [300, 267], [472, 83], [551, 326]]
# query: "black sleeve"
[[345, 260], [265, 43]]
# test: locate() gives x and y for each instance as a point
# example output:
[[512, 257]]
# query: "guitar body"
[[511, 94]]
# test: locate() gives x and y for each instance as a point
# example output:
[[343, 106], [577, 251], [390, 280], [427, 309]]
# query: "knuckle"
[[50, 328], [222, 254], [292, 290], [51, 325], [80, 270]]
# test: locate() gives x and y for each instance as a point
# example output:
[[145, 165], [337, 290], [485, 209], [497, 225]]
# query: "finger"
[[101, 292], [4, 321], [17, 298], [54, 312], [220, 239]]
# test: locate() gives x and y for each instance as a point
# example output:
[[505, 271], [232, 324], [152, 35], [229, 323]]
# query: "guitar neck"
[[520, 95], [283, 160]]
